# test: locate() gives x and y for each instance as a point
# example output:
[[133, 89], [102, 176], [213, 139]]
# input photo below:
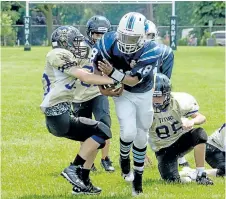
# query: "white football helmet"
[[151, 31], [131, 32]]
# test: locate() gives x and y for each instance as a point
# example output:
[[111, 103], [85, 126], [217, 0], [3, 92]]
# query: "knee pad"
[[199, 136], [106, 120], [103, 131], [99, 140]]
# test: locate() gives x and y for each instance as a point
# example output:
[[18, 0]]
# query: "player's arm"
[[108, 91], [119, 76], [66, 63], [190, 109], [198, 118], [90, 78]]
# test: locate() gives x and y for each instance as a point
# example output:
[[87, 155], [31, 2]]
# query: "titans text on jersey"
[[167, 125]]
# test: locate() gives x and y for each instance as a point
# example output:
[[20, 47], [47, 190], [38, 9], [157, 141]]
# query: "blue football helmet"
[[97, 24], [163, 88]]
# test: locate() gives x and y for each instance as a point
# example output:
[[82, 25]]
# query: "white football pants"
[[135, 115]]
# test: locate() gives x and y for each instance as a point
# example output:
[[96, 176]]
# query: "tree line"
[[188, 14]]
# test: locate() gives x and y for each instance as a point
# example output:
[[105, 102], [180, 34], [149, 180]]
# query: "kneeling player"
[[171, 137], [215, 151]]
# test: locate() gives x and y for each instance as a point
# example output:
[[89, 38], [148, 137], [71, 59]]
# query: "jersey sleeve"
[[147, 62], [187, 103], [62, 61], [167, 60], [96, 55], [102, 48]]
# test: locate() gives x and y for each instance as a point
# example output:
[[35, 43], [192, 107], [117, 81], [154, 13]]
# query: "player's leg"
[[216, 159], [100, 109], [167, 164], [183, 162], [92, 133], [144, 118], [195, 139], [126, 113], [84, 109]]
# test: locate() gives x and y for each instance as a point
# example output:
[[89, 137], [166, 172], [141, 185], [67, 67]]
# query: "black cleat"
[[125, 169], [107, 164], [204, 180], [93, 168], [185, 164], [89, 190], [137, 183], [73, 175]]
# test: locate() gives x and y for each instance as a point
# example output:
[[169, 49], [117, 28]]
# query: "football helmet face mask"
[[99, 25], [151, 31], [70, 38], [131, 32], [161, 95]]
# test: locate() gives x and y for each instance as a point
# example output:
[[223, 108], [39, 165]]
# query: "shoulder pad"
[[151, 52], [106, 43], [187, 103]]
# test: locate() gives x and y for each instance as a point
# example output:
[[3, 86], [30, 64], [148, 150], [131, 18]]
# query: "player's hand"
[[187, 124], [105, 67], [112, 92]]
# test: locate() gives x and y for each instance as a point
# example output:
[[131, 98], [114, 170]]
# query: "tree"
[[46, 9], [8, 17], [209, 10]]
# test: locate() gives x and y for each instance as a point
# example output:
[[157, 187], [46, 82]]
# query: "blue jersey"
[[166, 60], [141, 63]]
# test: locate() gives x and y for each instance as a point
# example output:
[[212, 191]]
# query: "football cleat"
[[125, 169], [107, 164], [89, 190], [73, 175], [204, 180], [137, 183], [185, 164], [93, 168]]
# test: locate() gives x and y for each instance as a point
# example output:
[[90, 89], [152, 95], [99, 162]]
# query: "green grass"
[[32, 159]]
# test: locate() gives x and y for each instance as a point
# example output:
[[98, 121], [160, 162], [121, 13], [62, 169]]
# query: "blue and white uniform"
[[134, 107], [166, 60], [141, 63]]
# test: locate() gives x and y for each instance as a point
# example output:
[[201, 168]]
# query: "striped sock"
[[125, 149], [139, 156]]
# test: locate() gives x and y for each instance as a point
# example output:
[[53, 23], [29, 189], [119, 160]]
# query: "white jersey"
[[58, 82], [167, 126], [218, 138], [86, 91]]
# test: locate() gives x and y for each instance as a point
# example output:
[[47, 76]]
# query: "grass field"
[[32, 159]]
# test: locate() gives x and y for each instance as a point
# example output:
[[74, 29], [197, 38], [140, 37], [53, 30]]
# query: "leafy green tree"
[[209, 10], [8, 18]]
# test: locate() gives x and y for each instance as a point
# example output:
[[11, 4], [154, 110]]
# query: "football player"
[[126, 57], [215, 151], [215, 155], [171, 136], [89, 100], [166, 60], [64, 66]]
